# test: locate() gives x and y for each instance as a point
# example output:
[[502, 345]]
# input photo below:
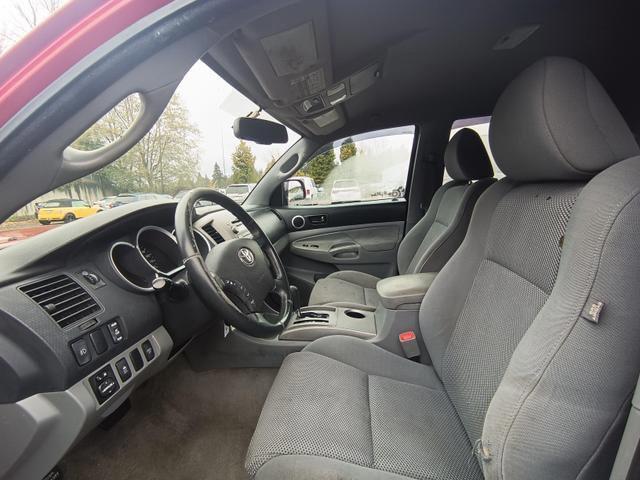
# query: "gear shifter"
[[295, 299]]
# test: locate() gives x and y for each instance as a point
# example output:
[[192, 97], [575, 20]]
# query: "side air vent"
[[213, 233], [62, 298]]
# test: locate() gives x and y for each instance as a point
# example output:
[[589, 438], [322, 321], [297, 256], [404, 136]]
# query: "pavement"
[[14, 232]]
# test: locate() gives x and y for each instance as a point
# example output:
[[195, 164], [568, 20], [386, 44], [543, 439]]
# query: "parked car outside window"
[[65, 210]]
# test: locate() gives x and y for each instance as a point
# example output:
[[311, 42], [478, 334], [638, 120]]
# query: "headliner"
[[438, 61]]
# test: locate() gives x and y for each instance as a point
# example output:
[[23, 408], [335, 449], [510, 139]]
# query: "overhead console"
[[289, 56]]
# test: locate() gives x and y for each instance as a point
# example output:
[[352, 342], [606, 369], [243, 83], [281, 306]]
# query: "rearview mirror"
[[260, 131]]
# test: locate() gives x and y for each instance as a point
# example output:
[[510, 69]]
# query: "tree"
[[22, 17], [243, 164], [218, 179], [164, 160], [347, 149], [320, 166]]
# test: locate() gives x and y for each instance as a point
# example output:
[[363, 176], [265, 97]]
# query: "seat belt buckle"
[[409, 344]]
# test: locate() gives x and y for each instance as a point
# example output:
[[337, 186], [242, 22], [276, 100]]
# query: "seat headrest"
[[556, 122], [465, 157]]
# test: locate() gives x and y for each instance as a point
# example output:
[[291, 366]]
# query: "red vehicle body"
[[55, 46]]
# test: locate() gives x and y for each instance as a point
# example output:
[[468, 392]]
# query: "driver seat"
[[532, 326]]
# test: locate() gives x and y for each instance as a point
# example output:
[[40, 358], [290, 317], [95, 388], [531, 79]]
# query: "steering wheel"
[[237, 275]]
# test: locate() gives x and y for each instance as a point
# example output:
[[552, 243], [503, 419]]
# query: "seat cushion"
[[346, 289], [346, 408]]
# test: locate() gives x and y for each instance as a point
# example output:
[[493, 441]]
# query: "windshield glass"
[[191, 145]]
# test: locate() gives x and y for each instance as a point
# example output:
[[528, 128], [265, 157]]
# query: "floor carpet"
[[182, 425]]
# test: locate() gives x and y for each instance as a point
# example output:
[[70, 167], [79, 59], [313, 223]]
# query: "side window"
[[481, 126], [363, 168], [78, 203]]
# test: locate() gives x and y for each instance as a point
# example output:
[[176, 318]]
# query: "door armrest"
[[404, 292]]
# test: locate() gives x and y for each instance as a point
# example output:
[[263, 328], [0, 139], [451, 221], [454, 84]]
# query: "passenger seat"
[[434, 239]]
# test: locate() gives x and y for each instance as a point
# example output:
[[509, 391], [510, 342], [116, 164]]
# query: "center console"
[[310, 323], [400, 299]]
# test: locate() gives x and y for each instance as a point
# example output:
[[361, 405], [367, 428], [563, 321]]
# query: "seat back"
[[432, 241], [533, 325]]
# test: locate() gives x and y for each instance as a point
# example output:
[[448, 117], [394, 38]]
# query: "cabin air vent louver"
[[213, 233], [62, 298]]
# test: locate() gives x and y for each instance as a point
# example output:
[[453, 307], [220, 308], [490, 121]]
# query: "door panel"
[[362, 237]]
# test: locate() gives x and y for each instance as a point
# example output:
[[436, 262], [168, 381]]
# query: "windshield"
[[191, 145]]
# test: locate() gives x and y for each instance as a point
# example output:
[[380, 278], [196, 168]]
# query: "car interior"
[[478, 322]]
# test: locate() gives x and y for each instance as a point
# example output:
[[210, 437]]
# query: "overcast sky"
[[212, 103]]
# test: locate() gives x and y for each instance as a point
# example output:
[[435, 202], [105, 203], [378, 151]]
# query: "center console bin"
[[404, 292], [314, 322]]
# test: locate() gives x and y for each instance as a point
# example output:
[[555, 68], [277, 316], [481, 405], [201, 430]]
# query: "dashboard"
[[82, 325]]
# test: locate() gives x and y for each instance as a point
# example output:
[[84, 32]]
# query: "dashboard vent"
[[62, 298], [213, 233]]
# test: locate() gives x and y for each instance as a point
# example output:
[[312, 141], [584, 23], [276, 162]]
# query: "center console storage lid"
[[404, 292]]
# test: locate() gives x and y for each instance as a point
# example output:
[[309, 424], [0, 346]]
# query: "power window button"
[[81, 352]]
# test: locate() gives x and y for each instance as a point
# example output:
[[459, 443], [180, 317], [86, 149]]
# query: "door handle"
[[318, 219], [349, 250]]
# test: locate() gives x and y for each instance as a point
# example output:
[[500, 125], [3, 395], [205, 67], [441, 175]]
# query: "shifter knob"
[[295, 297]]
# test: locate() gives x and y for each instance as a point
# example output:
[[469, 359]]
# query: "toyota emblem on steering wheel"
[[246, 256]]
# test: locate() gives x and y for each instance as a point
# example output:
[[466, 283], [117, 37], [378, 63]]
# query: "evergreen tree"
[[243, 164], [320, 166], [218, 178], [347, 149]]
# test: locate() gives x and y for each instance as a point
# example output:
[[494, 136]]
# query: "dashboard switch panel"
[[136, 359], [115, 331], [104, 383], [147, 349], [81, 352]]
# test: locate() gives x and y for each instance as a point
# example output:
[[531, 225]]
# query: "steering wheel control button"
[[136, 359], [147, 349], [98, 341], [104, 383], [124, 371], [115, 331], [81, 351]]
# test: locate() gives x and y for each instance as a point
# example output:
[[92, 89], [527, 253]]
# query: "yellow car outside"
[[65, 210]]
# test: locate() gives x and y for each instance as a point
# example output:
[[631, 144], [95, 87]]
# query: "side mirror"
[[294, 190], [259, 131]]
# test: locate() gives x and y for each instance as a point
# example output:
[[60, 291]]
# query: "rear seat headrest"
[[465, 157], [556, 122]]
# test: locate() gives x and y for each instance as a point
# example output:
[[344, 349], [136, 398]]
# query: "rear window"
[[57, 204], [234, 189], [345, 184], [481, 126]]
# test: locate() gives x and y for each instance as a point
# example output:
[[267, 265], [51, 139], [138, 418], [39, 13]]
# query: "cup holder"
[[354, 314]]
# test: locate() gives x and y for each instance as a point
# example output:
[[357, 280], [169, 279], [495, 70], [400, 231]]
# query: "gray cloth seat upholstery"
[[432, 241], [532, 326]]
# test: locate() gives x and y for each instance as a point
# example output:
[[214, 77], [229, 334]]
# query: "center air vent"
[[62, 298], [213, 233]]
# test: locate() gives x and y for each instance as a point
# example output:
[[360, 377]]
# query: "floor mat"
[[182, 425]]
